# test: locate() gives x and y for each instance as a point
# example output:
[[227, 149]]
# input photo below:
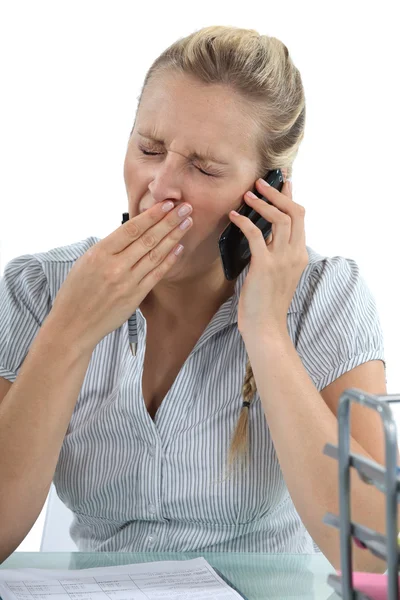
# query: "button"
[[152, 509], [152, 539], [152, 451]]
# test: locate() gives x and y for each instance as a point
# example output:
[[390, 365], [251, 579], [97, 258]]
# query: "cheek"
[[210, 218], [207, 212], [131, 170], [127, 171]]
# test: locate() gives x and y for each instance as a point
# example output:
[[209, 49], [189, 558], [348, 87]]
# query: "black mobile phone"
[[233, 245]]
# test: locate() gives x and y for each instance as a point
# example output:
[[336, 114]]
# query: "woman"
[[142, 462]]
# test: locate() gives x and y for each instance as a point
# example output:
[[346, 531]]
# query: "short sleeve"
[[24, 304], [339, 328]]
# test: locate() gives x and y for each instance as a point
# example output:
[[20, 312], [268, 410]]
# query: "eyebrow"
[[206, 156]]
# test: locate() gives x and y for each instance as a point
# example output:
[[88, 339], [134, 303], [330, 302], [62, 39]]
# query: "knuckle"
[[301, 210], [95, 258], [93, 254], [113, 274], [155, 255], [148, 240], [255, 232], [133, 229], [158, 273], [285, 219]]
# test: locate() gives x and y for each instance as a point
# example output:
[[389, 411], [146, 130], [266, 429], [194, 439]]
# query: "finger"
[[278, 198], [252, 232], [298, 235], [284, 202], [281, 222]]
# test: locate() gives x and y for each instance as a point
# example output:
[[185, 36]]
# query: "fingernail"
[[167, 206]]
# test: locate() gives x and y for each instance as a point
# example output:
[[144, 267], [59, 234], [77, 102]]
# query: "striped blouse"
[[134, 484]]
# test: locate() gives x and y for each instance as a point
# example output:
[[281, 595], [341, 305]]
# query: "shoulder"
[[337, 326], [327, 280], [27, 289], [48, 259], [65, 254], [54, 264], [30, 281]]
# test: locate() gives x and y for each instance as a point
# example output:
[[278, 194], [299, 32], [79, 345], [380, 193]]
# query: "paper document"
[[170, 580]]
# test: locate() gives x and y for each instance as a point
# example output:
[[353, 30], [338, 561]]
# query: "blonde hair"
[[259, 69]]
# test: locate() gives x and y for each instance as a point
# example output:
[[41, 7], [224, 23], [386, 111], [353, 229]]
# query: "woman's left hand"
[[276, 264]]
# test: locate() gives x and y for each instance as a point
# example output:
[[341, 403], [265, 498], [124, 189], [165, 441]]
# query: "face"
[[189, 117]]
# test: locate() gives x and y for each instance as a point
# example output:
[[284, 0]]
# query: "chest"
[[165, 355]]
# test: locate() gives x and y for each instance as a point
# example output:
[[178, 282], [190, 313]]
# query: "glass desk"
[[256, 575]]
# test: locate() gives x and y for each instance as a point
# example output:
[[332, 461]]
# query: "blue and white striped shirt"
[[135, 484]]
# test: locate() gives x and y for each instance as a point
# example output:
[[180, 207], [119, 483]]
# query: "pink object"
[[359, 543], [372, 584]]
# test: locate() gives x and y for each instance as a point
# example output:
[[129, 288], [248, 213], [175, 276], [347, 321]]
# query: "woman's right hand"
[[107, 283]]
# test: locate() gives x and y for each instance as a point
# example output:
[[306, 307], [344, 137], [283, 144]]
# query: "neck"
[[192, 299]]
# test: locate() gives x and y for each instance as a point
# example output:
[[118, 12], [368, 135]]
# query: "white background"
[[71, 72]]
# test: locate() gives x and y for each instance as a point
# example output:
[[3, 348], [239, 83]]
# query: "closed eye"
[[147, 153]]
